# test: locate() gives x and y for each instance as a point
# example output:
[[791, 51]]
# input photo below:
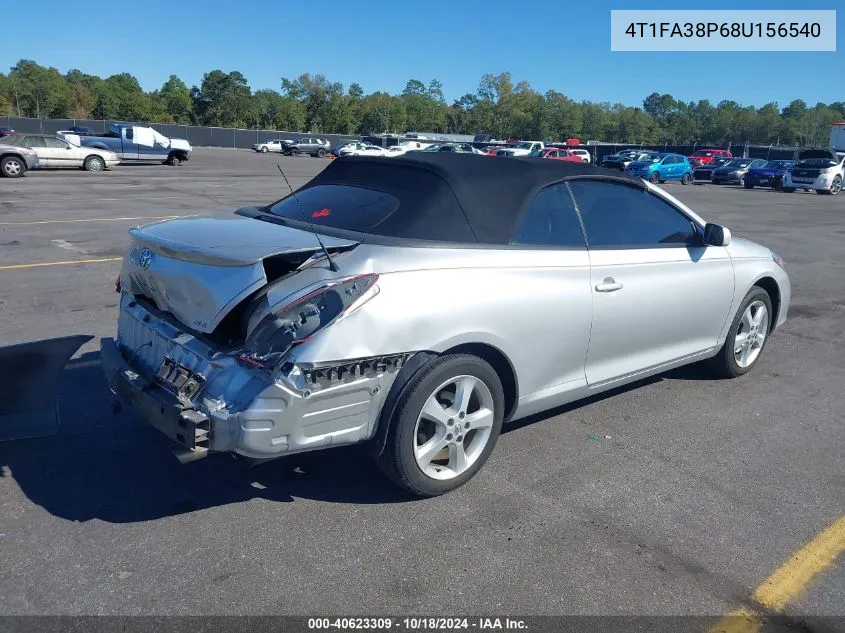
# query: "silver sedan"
[[416, 303]]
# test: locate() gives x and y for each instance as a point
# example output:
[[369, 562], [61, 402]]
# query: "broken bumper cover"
[[187, 427], [235, 407]]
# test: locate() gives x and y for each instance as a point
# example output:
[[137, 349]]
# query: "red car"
[[556, 154], [706, 156], [6, 131]]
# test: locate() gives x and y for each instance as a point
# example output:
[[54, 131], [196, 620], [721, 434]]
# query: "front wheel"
[[747, 336], [654, 178], [687, 179], [835, 186], [264, 150], [12, 167], [94, 163], [748, 184], [445, 425]]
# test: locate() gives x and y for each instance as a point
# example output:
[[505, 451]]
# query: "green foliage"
[[500, 106]]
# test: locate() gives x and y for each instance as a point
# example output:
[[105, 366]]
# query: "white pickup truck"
[[135, 143], [523, 148], [822, 170]]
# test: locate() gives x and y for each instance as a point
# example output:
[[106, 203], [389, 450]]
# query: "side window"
[[551, 220], [622, 216], [34, 141], [55, 143], [130, 133]]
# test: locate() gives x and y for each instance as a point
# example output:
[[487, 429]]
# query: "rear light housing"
[[301, 319]]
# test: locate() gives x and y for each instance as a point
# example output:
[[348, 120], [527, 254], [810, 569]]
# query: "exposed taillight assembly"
[[302, 318]]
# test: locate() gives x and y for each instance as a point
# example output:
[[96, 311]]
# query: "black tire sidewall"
[[401, 441], [727, 359]]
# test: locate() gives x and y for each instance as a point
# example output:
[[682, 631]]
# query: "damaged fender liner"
[[180, 422]]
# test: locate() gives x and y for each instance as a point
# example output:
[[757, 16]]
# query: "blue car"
[[770, 175], [662, 166]]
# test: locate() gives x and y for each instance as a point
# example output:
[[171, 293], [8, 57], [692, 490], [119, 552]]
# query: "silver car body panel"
[[537, 307]]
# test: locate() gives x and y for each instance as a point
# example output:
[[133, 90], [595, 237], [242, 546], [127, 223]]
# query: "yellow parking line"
[[738, 621], [789, 580], [65, 263], [140, 217]]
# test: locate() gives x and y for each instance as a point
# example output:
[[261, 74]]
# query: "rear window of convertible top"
[[416, 208]]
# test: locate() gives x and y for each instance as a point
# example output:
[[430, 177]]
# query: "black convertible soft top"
[[487, 193]]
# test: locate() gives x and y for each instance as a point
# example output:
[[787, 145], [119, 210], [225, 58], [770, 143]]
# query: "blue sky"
[[552, 44]]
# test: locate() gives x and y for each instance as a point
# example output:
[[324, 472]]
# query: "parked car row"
[[310, 145], [81, 148], [819, 170], [822, 171]]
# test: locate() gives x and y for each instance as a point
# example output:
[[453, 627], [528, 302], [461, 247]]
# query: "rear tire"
[[451, 431], [94, 163], [12, 167], [748, 185], [321, 153], [730, 362]]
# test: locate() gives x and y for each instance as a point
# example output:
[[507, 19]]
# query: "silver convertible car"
[[416, 303]]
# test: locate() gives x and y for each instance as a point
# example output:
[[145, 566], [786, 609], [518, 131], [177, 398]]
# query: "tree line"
[[500, 106]]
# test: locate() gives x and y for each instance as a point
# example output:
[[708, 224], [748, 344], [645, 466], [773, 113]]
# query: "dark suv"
[[307, 145]]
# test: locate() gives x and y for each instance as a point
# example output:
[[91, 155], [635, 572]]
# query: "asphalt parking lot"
[[677, 496]]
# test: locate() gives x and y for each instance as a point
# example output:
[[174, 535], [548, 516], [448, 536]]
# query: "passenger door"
[[563, 308], [659, 294], [59, 153], [669, 168]]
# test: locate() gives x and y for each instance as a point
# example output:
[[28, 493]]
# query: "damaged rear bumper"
[[204, 400], [188, 428]]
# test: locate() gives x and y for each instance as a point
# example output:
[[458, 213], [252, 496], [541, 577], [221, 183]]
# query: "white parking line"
[[137, 217], [60, 197]]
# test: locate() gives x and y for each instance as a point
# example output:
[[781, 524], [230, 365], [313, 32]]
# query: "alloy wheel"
[[453, 427], [751, 334]]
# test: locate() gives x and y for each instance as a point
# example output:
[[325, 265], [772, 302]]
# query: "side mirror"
[[715, 235]]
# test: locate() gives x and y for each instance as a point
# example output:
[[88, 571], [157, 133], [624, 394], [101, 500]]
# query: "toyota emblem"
[[145, 259]]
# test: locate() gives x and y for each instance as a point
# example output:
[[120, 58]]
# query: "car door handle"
[[609, 285]]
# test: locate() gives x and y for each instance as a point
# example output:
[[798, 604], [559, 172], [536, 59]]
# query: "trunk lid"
[[199, 268]]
